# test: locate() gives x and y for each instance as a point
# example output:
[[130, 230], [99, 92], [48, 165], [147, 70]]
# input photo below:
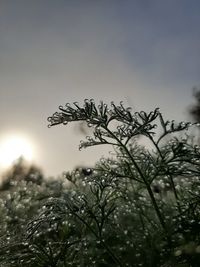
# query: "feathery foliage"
[[140, 207]]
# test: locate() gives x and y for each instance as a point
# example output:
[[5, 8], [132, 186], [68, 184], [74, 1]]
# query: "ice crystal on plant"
[[140, 207]]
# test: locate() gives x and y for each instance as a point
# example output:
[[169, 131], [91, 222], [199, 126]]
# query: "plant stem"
[[170, 176], [148, 187], [117, 261]]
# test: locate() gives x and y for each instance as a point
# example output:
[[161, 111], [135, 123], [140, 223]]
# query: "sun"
[[12, 147]]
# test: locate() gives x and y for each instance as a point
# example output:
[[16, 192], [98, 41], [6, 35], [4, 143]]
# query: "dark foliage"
[[195, 109], [21, 170]]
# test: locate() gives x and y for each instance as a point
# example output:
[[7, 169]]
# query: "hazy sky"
[[144, 52]]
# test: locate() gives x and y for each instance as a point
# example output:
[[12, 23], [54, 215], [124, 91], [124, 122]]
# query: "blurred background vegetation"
[[88, 218]]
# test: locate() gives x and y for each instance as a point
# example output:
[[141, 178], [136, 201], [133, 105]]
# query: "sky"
[[143, 52]]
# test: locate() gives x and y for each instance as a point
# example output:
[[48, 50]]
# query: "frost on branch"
[[115, 123]]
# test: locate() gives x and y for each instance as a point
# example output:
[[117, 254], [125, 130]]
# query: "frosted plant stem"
[[110, 252], [170, 176], [148, 187]]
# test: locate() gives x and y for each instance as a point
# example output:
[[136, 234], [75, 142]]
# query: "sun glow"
[[12, 148]]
